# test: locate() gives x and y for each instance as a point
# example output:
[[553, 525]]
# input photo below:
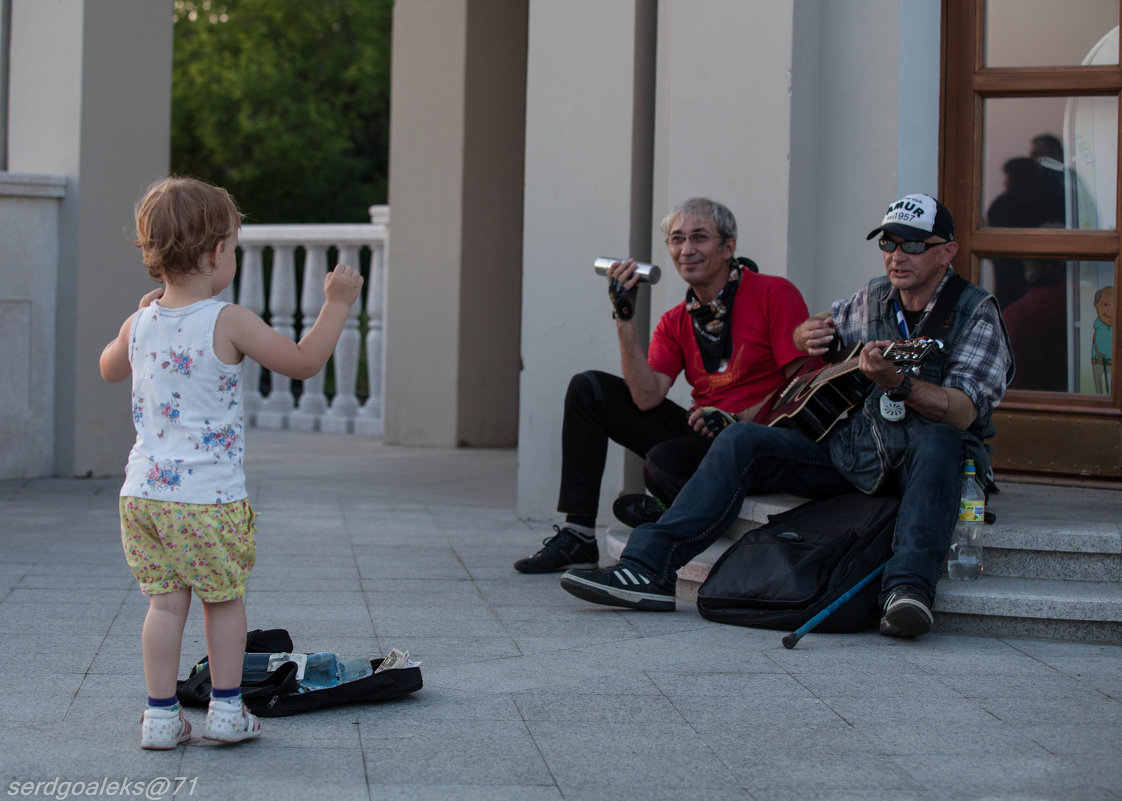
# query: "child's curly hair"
[[178, 221]]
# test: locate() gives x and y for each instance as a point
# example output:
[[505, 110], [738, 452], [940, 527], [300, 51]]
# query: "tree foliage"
[[285, 103]]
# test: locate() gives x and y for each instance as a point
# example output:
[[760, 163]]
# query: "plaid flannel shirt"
[[977, 366]]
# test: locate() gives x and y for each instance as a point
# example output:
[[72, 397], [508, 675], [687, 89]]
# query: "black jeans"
[[598, 408]]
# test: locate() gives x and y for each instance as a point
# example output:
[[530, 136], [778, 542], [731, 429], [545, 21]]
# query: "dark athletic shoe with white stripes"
[[620, 585], [906, 614]]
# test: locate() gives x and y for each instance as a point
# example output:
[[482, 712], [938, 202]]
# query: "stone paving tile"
[[583, 757], [530, 694], [498, 753], [825, 773], [463, 792]]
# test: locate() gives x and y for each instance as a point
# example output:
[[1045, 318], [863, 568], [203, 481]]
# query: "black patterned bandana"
[[710, 322]]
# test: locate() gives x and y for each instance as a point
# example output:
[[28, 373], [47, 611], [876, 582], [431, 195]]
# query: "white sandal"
[[163, 729], [227, 723]]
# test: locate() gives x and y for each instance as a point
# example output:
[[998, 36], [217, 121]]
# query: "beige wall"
[[90, 100], [453, 280]]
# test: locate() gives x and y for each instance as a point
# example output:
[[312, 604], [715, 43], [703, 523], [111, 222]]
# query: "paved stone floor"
[[529, 693]]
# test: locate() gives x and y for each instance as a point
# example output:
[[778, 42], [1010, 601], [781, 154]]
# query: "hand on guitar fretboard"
[[910, 354]]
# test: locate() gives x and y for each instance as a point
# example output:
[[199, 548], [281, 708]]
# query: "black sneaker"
[[636, 509], [906, 614], [562, 551], [620, 585]]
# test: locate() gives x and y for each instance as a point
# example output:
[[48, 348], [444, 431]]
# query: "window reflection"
[[1060, 316], [1062, 175], [1044, 33]]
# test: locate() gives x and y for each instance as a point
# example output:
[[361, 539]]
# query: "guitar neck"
[[910, 351]]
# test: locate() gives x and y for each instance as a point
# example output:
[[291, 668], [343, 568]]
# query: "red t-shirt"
[[764, 316]]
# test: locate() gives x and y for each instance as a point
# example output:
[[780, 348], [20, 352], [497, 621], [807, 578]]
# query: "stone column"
[[90, 100]]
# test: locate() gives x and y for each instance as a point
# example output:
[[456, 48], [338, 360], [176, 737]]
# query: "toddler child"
[[186, 523]]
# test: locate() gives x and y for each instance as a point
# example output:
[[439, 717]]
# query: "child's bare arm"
[[114, 361], [249, 334]]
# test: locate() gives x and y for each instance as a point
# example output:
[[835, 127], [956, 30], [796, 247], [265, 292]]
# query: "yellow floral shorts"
[[209, 548]]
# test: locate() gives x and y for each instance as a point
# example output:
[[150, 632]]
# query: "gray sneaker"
[[562, 551], [620, 585], [906, 614]]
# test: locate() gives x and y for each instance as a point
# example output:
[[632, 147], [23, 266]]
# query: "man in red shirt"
[[731, 336]]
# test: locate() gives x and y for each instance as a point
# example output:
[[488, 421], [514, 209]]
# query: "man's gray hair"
[[704, 209]]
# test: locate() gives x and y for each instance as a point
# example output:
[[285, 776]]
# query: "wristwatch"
[[900, 393]]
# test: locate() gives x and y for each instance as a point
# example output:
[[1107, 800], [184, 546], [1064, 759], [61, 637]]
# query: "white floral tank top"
[[186, 407]]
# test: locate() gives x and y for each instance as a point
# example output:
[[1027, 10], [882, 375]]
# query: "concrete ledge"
[[18, 184]]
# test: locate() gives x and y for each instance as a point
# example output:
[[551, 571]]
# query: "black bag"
[[780, 575], [272, 694]]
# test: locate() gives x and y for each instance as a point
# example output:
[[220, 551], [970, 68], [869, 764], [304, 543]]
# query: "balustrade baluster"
[[344, 406], [282, 304], [251, 294], [369, 418], [313, 402]]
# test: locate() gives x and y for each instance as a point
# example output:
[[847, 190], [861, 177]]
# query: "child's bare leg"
[[225, 642], [227, 719], [161, 640]]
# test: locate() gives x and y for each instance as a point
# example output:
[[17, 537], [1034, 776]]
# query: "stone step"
[[1053, 564], [1058, 609]]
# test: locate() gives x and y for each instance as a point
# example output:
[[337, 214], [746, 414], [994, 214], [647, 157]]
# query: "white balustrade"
[[313, 412]]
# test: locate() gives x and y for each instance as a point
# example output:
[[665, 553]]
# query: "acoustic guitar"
[[818, 397]]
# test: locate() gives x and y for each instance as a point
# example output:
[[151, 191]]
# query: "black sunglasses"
[[913, 248]]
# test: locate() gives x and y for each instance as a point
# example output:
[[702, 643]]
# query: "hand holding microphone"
[[624, 277]]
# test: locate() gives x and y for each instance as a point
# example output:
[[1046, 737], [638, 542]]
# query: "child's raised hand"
[[148, 297], [342, 284]]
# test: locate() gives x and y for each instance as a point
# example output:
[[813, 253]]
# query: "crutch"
[[792, 639]]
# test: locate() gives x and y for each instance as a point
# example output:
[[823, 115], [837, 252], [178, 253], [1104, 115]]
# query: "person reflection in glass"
[[1102, 343], [1031, 291]]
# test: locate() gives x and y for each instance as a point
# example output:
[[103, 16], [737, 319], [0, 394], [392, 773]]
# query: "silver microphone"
[[648, 273]]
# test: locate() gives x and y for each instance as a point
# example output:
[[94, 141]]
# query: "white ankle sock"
[[584, 532]]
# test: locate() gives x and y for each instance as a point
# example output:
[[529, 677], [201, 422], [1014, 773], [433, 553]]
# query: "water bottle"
[[964, 562], [256, 663], [322, 671], [325, 669], [353, 668]]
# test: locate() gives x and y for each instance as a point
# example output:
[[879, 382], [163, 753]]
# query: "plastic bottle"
[[353, 668], [325, 669], [322, 671], [256, 663], [964, 562]]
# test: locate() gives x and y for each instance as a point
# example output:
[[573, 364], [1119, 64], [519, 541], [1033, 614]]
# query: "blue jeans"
[[748, 457]]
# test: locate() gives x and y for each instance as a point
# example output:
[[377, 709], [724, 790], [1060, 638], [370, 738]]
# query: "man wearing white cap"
[[909, 436]]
